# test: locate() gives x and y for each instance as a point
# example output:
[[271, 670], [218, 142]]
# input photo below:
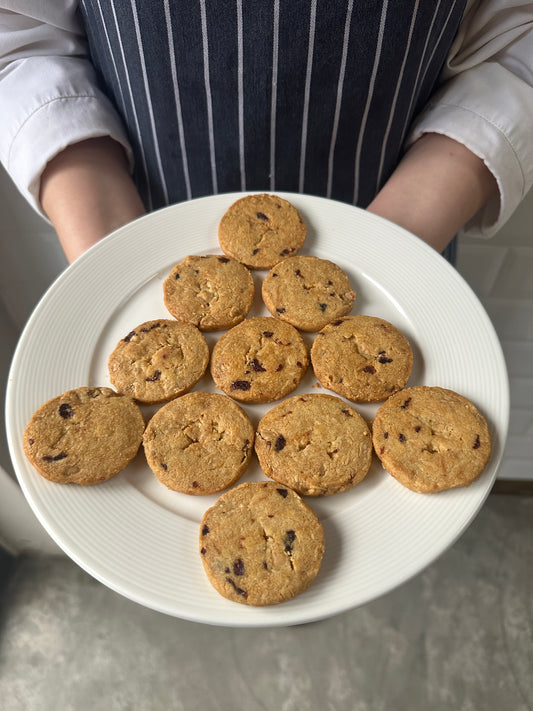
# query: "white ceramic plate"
[[141, 539]]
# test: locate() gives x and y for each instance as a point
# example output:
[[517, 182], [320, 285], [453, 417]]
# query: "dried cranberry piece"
[[477, 443], [237, 589], [154, 377], [288, 540], [280, 443], [223, 260], [240, 385], [282, 492], [257, 367], [261, 216], [238, 567], [129, 336], [56, 458], [369, 369], [66, 411]]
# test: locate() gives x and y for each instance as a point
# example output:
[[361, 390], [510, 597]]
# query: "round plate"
[[141, 539]]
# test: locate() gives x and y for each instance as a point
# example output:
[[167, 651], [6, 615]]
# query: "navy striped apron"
[[312, 96]]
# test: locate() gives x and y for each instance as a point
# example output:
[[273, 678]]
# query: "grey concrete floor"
[[457, 637]]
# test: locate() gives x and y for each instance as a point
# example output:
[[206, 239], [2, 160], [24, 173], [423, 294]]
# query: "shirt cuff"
[[52, 127], [487, 109]]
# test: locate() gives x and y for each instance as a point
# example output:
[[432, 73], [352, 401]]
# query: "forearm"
[[436, 189], [87, 192]]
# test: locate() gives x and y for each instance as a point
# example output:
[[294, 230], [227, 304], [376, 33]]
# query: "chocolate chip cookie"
[[84, 436], [431, 439], [260, 544], [158, 360], [259, 360], [199, 443], [307, 292], [362, 358], [212, 292], [261, 230], [315, 444]]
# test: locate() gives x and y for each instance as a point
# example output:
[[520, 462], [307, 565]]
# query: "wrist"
[[436, 189], [87, 192]]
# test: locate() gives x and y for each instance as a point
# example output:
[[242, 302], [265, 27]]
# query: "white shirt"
[[49, 97]]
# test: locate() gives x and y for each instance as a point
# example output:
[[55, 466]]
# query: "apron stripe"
[[396, 93], [370, 94], [205, 46], [338, 101], [149, 101], [307, 90], [132, 105], [421, 65], [240, 61], [179, 116], [274, 96]]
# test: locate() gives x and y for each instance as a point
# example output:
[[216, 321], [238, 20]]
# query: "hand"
[[437, 188], [87, 192]]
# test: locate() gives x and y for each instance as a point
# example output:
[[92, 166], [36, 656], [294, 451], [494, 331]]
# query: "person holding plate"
[[417, 111]]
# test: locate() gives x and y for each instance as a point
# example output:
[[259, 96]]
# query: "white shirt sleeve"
[[49, 96], [486, 102]]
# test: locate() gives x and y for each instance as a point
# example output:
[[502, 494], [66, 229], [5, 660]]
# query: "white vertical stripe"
[[208, 98], [369, 100], [396, 92], [435, 46], [274, 96], [416, 84], [130, 92], [149, 100], [310, 49], [181, 132], [112, 56], [340, 84], [240, 89]]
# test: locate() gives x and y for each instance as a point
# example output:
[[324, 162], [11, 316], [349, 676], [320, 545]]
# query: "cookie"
[[431, 439], [259, 360], [261, 230], [315, 444], [158, 361], [212, 292], [199, 443], [362, 358], [84, 436], [260, 544], [307, 292]]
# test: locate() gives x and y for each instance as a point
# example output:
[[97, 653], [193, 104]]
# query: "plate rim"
[[279, 617]]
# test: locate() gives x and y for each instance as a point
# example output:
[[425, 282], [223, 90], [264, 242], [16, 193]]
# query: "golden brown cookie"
[[315, 444], [259, 360], [307, 292], [431, 439], [158, 360], [212, 292], [261, 544], [260, 230], [199, 443], [362, 358], [84, 436]]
